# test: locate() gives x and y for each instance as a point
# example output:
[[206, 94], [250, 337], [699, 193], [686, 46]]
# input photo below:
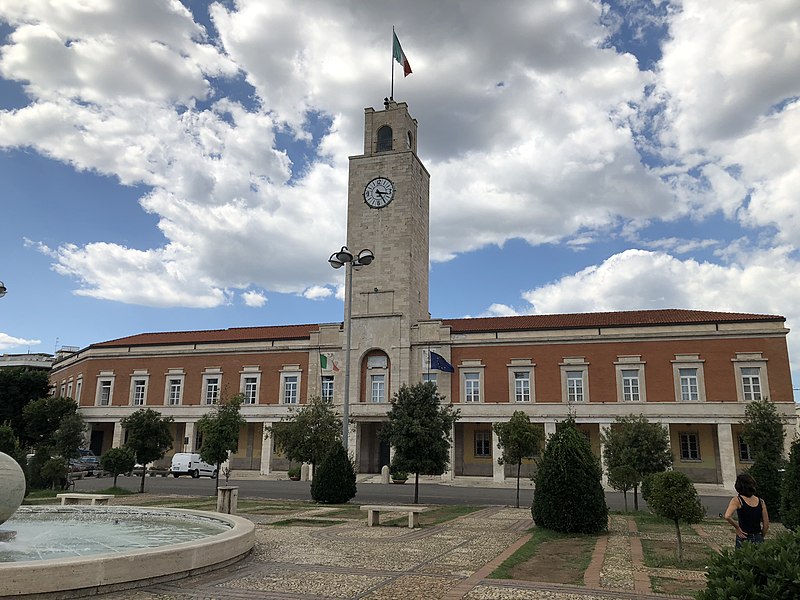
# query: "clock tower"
[[388, 212]]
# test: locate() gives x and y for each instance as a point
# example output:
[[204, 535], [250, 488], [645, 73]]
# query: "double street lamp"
[[351, 262]]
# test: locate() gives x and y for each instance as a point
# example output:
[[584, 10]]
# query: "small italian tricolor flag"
[[400, 56], [326, 362]]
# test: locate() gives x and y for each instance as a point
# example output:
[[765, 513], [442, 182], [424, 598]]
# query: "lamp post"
[[345, 258], [3, 289]]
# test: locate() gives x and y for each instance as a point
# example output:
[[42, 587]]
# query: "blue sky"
[[171, 166]]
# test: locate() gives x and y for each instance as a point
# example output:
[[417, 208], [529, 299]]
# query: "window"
[[327, 388], [751, 383], [689, 388], [687, 370], [745, 455], [575, 386], [483, 444], [211, 394], [290, 389], [63, 390], [522, 386], [175, 391], [104, 395], [78, 388], [250, 391], [384, 139], [429, 377], [690, 446], [69, 390], [630, 385], [378, 387], [472, 387], [139, 388]]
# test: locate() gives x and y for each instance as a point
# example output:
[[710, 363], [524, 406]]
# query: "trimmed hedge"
[[769, 571], [335, 479]]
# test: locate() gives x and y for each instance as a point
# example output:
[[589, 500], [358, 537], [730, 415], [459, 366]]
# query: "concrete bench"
[[93, 499], [374, 513]]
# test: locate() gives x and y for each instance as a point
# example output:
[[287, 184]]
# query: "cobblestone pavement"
[[447, 561]]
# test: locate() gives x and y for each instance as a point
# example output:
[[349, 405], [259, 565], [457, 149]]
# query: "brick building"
[[693, 371]]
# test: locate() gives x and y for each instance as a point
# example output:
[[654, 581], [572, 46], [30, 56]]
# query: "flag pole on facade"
[[399, 56]]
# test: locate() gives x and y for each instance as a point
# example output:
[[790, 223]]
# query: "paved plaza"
[[451, 560]]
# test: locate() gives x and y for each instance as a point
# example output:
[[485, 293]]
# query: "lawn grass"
[[541, 536], [663, 554], [679, 587], [650, 523]]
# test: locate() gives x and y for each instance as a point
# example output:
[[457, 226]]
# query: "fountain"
[[84, 550]]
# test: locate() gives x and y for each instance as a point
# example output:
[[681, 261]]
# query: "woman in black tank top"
[[751, 512]]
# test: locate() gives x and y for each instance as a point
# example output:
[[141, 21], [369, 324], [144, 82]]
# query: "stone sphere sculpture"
[[12, 487]]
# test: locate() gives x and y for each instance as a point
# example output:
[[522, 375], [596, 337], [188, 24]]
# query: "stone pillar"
[[188, 434], [116, 438], [385, 474], [604, 429], [305, 472], [227, 499], [727, 456], [498, 470], [449, 475], [353, 441], [266, 451]]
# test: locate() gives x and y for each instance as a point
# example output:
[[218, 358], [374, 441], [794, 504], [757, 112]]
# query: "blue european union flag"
[[440, 364]]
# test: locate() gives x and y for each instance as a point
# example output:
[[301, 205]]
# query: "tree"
[[790, 490], [117, 461], [308, 434], [762, 429], [335, 483], [55, 428], [672, 495], [42, 418], [637, 443], [149, 437], [519, 439], [568, 494], [419, 428], [623, 478], [220, 429], [18, 387]]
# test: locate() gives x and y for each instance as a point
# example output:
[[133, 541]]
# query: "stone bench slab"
[[93, 499], [374, 513]]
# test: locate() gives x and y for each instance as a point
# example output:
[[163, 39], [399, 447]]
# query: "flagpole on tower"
[[391, 93]]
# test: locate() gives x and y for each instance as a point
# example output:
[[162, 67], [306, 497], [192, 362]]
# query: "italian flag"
[[326, 362], [400, 56]]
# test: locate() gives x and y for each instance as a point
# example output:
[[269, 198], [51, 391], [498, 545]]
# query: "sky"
[[171, 165]]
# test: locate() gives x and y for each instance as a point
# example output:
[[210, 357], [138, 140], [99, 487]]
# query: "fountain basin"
[[89, 570]]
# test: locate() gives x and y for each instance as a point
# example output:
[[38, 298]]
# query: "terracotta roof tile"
[[232, 334], [630, 318]]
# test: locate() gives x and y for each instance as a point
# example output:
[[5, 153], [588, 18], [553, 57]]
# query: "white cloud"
[[254, 299], [317, 292], [9, 342]]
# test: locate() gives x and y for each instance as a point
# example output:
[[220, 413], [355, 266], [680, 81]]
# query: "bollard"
[[305, 472], [385, 474], [227, 499]]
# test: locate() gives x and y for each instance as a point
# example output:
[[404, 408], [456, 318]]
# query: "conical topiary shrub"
[[568, 494], [335, 479]]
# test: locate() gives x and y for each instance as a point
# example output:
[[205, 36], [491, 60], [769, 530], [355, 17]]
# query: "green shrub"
[[54, 472], [117, 461], [768, 485], [293, 472], [769, 571], [790, 491], [335, 479], [672, 495], [568, 494]]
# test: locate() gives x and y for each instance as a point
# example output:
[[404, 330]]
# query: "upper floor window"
[[78, 388], [483, 444], [472, 387], [630, 378], [378, 388], [69, 390], [630, 385], [63, 390], [174, 390], [688, 378], [250, 389], [384, 139], [290, 389], [751, 383], [211, 394], [138, 393], [327, 388], [689, 387], [575, 386], [522, 386], [104, 392], [750, 369]]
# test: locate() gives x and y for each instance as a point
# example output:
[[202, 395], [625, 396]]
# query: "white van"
[[190, 463]]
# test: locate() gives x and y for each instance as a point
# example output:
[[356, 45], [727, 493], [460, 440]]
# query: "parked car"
[[190, 463], [90, 462]]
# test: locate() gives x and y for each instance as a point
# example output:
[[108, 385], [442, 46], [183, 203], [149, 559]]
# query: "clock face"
[[379, 192]]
